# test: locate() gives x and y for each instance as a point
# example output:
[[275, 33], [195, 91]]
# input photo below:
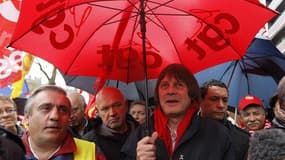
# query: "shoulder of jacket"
[[238, 129]]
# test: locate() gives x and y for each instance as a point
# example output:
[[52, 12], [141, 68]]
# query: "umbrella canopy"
[[132, 91], [131, 40], [258, 73], [106, 38]]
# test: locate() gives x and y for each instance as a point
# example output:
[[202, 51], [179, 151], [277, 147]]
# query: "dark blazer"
[[239, 139], [204, 139]]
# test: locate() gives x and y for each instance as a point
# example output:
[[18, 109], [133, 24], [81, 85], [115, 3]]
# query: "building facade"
[[276, 27]]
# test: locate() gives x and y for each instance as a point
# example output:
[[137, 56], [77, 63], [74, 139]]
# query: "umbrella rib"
[[189, 14], [227, 69], [170, 37], [185, 14], [242, 65], [82, 46], [136, 25]]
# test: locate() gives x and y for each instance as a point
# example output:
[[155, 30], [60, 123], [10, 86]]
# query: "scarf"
[[160, 124]]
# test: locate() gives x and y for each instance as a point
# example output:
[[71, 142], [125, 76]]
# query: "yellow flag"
[[18, 85]]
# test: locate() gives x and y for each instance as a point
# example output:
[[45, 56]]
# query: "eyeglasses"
[[7, 111]]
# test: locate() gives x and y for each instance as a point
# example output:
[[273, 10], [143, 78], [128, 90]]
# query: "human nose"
[[112, 111], [221, 103], [54, 114], [136, 115], [72, 114], [251, 117], [171, 90]]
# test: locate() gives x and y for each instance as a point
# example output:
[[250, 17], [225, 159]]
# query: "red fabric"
[[99, 83], [247, 100], [160, 124], [90, 110], [10, 60], [82, 38]]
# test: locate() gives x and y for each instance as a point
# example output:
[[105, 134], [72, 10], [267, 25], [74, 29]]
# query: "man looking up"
[[176, 131]]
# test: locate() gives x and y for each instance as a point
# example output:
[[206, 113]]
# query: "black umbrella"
[[132, 91], [257, 73]]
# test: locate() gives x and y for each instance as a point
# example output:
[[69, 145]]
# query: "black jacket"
[[239, 139], [109, 141], [204, 139], [11, 146], [89, 125]]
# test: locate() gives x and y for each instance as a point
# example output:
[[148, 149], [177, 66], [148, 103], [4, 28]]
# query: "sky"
[[36, 73]]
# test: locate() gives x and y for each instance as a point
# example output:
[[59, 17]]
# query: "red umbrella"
[[133, 40], [103, 38]]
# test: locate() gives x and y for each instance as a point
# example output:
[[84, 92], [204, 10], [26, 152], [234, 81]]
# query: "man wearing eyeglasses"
[[279, 109], [8, 116]]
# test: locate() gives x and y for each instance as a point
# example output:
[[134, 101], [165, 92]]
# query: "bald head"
[[112, 108], [107, 92]]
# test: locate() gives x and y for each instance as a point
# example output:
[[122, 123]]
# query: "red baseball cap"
[[247, 100]]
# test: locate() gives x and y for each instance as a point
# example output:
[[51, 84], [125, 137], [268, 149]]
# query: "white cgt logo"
[[11, 64], [9, 11]]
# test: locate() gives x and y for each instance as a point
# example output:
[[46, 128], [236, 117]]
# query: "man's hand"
[[146, 149]]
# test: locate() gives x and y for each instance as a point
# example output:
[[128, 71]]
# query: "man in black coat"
[[214, 105], [176, 131], [113, 125]]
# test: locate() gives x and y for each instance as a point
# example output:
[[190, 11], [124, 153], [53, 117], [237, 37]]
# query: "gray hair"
[[30, 100], [80, 97]]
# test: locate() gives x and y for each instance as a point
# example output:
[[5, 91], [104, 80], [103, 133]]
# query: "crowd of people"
[[188, 122]]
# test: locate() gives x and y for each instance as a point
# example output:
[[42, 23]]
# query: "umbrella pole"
[[143, 31], [228, 84]]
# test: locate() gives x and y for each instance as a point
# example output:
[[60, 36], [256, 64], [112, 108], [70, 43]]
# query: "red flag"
[[10, 60], [90, 110]]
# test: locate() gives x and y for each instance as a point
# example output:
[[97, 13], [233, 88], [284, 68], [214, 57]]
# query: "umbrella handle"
[[143, 31]]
